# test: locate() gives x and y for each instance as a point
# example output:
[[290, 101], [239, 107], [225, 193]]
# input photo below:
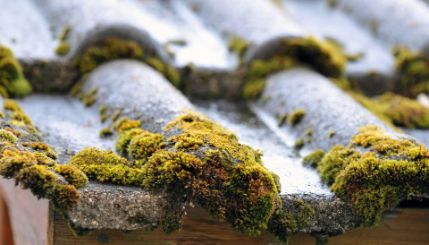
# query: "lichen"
[[313, 158], [295, 116], [375, 172], [321, 55], [12, 80]]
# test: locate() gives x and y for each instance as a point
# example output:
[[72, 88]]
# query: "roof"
[[183, 58]]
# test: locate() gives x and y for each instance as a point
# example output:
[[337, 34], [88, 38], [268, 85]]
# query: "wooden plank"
[[408, 226], [5, 227], [29, 216]]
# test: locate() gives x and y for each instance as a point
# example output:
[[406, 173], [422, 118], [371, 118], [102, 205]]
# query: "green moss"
[[397, 110], [413, 71], [295, 116], [6, 136], [72, 174], [106, 132], [299, 143], [313, 158], [63, 48], [12, 80], [41, 147], [244, 193], [125, 124], [321, 55], [103, 113], [18, 116], [171, 73], [387, 171], [89, 98], [106, 50], [285, 223], [281, 119], [276, 179], [238, 45]]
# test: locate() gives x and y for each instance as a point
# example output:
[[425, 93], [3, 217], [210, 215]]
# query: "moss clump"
[[19, 117], [396, 110], [42, 147], [114, 48], [238, 45], [299, 143], [242, 192], [72, 174], [63, 48], [107, 166], [281, 119], [313, 158], [6, 136], [295, 117], [12, 81], [125, 123], [106, 132], [284, 223], [387, 171], [321, 55], [412, 70], [89, 98], [106, 50]]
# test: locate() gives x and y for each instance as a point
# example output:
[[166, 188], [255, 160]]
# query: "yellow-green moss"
[[299, 143], [321, 55], [107, 166], [396, 110], [412, 70], [106, 50], [313, 158], [89, 98], [12, 80], [125, 123], [18, 117], [376, 171], [72, 174], [42, 147], [103, 113], [171, 73], [106, 132], [295, 116], [285, 223], [238, 45], [242, 192], [63, 48], [6, 136], [281, 119]]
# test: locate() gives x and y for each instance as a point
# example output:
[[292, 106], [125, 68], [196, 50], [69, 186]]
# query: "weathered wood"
[[5, 229], [30, 217], [407, 226]]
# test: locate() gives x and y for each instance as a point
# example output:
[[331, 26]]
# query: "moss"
[[103, 113], [285, 223], [42, 147], [12, 80], [276, 179], [107, 166], [18, 116], [72, 174], [412, 70], [397, 110], [106, 50], [244, 193], [281, 119], [295, 116], [89, 98], [324, 57], [64, 35], [6, 136], [387, 171], [238, 45], [299, 143], [355, 57], [331, 134], [125, 123], [313, 158], [168, 71], [106, 132], [63, 48]]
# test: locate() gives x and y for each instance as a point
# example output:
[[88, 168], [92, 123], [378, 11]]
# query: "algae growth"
[[375, 172], [32, 163], [12, 80], [196, 149]]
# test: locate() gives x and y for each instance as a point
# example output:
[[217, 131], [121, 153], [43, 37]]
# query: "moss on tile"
[[321, 55], [243, 193], [313, 158], [376, 171], [12, 80], [412, 70], [295, 116]]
